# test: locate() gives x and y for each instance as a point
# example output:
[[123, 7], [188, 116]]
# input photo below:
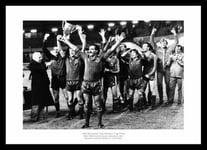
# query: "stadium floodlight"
[[135, 21], [111, 24], [33, 30], [54, 29], [123, 23], [27, 35], [168, 22], [90, 26], [147, 21]]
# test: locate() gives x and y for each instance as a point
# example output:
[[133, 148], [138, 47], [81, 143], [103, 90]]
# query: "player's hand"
[[46, 36], [49, 63], [154, 30], [147, 76], [79, 28], [59, 37], [119, 38], [102, 32], [173, 31], [112, 38]]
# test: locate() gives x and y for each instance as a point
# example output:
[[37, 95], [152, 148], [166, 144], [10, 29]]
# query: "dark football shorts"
[[58, 82], [90, 87], [139, 84], [110, 79], [73, 85]]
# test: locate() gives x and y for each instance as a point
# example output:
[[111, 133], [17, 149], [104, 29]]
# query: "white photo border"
[[191, 15]]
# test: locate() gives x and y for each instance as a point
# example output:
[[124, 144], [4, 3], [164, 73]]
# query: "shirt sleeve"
[[46, 52]]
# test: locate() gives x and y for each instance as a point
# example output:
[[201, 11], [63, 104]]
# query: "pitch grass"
[[171, 117]]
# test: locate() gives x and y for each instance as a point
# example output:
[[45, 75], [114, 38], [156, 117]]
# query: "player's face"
[[145, 47], [133, 54], [122, 47], [72, 52], [164, 43], [40, 58], [62, 53], [55, 50], [92, 50], [178, 49]]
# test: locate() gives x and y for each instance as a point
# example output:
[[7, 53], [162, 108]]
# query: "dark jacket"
[[41, 94]]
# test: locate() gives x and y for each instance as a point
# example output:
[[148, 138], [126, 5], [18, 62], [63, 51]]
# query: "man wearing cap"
[[163, 71], [58, 70]]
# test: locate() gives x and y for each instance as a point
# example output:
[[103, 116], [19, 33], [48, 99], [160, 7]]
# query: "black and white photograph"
[[89, 73], [105, 77]]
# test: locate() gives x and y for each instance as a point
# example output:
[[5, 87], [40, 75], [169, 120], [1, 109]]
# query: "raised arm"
[[152, 36], [82, 37], [113, 48], [107, 44], [125, 53], [172, 47], [102, 34], [168, 63], [58, 38], [67, 42], [44, 47]]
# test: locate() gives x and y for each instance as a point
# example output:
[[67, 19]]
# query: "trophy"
[[68, 29]]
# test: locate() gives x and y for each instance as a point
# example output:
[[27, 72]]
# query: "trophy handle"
[[63, 24]]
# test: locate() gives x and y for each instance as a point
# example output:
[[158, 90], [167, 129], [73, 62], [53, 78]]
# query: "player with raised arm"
[[135, 79], [163, 71], [91, 85], [74, 77], [58, 70]]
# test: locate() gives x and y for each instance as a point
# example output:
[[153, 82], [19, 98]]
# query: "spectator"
[[163, 70], [41, 95], [176, 63]]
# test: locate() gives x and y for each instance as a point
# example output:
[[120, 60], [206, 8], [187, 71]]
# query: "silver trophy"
[[68, 29]]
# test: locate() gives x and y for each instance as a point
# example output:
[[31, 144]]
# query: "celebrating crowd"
[[85, 74]]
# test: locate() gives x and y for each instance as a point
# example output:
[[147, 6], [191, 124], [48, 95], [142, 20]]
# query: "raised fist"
[[154, 30], [102, 32], [46, 36], [147, 76], [59, 37], [173, 31], [122, 36], [79, 28]]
